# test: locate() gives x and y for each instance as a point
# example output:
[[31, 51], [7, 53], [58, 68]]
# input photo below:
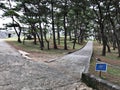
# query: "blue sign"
[[101, 67]]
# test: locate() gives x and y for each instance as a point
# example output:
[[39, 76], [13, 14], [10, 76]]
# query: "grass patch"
[[112, 56], [113, 70], [112, 74], [30, 47]]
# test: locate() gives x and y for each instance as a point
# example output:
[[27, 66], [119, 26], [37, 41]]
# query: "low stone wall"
[[98, 83]]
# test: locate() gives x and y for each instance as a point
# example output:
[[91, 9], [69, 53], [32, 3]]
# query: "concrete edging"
[[98, 83]]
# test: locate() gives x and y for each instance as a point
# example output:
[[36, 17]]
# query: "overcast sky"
[[3, 20]]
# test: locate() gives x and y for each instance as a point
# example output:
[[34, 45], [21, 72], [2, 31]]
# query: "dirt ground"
[[109, 61], [43, 56], [39, 56]]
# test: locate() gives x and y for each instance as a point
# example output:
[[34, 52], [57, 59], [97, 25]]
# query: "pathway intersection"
[[18, 73]]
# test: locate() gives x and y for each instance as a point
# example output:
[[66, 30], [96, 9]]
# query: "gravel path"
[[18, 73]]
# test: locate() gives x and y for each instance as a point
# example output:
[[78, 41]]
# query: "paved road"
[[17, 73]]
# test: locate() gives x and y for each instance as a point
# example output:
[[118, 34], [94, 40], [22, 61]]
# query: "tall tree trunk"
[[75, 31], [37, 34], [118, 43], [58, 33], [103, 40], [70, 37], [41, 35], [18, 33], [53, 28], [65, 28], [116, 37], [39, 41], [81, 36], [48, 46], [34, 29], [19, 39], [114, 44], [108, 48], [101, 24], [107, 45], [35, 38], [74, 42], [65, 33]]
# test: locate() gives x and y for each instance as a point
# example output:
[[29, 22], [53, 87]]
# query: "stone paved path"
[[17, 73], [76, 63]]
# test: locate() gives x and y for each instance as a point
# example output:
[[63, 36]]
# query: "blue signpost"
[[102, 67]]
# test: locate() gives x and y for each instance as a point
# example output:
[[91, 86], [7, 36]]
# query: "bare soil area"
[[43, 56], [37, 56], [110, 61]]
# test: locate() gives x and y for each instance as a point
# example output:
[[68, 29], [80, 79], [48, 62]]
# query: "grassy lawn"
[[113, 69], [35, 51]]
